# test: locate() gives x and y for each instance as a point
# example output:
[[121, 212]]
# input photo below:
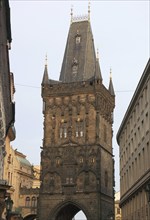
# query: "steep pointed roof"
[[45, 76], [111, 88], [79, 63]]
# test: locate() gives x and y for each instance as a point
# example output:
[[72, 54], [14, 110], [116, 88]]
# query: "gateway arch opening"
[[80, 216], [71, 212]]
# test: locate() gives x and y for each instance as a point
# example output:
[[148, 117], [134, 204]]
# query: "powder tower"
[[77, 168]]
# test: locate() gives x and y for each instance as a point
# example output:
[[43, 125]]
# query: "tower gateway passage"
[[77, 167]]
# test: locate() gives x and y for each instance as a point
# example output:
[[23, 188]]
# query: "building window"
[[27, 202], [92, 160], [33, 201], [74, 70], [63, 129], [69, 180], [79, 128], [81, 160], [9, 158], [78, 39], [58, 161], [118, 211]]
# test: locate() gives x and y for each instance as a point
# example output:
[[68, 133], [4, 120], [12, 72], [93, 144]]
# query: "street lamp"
[[9, 205]]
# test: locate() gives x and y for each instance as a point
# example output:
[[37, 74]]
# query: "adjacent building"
[[24, 182], [7, 106], [134, 141], [117, 206], [28, 196], [77, 167]]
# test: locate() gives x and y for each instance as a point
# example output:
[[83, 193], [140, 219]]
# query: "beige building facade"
[[28, 197], [134, 141], [117, 206], [23, 179]]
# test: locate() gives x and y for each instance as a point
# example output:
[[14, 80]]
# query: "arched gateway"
[[77, 169], [67, 210]]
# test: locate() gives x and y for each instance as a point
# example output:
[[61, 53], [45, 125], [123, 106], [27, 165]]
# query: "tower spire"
[[110, 73], [98, 74], [111, 88], [45, 75], [46, 60]]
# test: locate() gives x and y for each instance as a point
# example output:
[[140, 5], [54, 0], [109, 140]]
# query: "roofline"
[[134, 98], [17, 153]]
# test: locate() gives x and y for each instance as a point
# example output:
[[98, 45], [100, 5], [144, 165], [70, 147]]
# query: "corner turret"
[[98, 74], [111, 88], [45, 75]]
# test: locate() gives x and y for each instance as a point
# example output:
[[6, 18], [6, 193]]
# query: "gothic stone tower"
[[76, 159]]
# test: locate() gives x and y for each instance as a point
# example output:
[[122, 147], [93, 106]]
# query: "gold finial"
[[89, 10], [110, 73], [46, 60], [71, 13], [97, 55]]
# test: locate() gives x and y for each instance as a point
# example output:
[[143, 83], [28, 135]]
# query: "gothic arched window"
[[63, 129], [79, 128], [33, 201], [58, 161], [81, 160], [27, 201], [92, 160], [74, 70], [78, 39]]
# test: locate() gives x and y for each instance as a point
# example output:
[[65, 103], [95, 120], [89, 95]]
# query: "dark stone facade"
[[6, 93], [77, 167]]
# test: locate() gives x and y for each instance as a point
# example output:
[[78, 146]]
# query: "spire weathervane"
[[46, 60], [71, 13], [110, 73], [89, 10], [97, 55]]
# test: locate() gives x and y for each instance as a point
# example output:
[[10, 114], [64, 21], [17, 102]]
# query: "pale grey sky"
[[121, 32]]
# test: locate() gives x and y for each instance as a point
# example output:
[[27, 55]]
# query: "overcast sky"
[[121, 33]]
